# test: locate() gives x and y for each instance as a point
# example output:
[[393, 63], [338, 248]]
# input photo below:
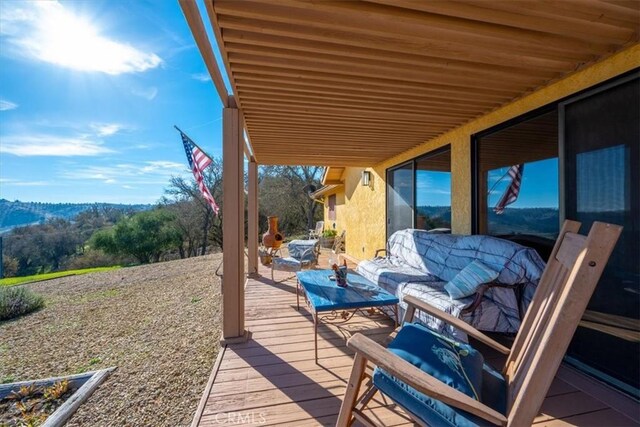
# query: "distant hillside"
[[543, 222], [538, 221], [16, 214]]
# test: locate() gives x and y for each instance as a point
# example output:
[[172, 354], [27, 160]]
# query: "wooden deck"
[[273, 379]]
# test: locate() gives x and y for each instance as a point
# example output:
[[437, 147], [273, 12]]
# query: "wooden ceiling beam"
[[354, 112], [320, 144], [378, 20], [320, 62], [334, 134], [270, 122], [273, 124], [267, 74], [560, 24], [397, 44], [371, 89], [333, 130], [455, 79], [317, 147], [320, 161], [578, 10], [356, 121], [328, 116], [396, 105], [289, 90], [365, 72], [257, 41]]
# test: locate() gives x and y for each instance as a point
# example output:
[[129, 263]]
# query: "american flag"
[[198, 161], [511, 193]]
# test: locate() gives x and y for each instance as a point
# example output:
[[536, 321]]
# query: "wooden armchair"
[[412, 370]]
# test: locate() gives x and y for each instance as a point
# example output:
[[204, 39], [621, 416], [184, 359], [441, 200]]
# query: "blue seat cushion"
[[286, 264], [456, 364]]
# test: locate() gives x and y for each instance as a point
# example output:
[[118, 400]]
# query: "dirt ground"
[[159, 324]]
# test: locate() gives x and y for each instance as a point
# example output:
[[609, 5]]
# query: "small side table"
[[323, 295]]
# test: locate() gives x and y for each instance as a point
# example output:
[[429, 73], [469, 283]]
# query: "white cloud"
[[20, 183], [7, 105], [106, 129], [31, 183], [150, 172], [51, 145], [148, 93], [203, 77], [163, 165], [47, 31]]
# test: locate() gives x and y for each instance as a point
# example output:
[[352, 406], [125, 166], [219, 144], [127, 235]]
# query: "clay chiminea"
[[272, 238]]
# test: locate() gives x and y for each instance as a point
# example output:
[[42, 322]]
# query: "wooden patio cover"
[[355, 82]]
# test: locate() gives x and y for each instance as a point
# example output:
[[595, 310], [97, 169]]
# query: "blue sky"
[[539, 188], [89, 94]]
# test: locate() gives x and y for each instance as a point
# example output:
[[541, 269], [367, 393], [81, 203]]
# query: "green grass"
[[12, 281]]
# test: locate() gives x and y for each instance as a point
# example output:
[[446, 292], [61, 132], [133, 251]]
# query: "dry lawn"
[[159, 324]]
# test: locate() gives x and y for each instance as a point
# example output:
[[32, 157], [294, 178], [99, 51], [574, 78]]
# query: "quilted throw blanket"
[[420, 263]]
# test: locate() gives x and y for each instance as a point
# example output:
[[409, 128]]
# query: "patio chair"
[[301, 253], [338, 243], [438, 381], [317, 232]]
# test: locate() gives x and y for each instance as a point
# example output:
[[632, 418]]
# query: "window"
[[517, 189], [419, 193], [433, 191], [332, 207], [400, 198]]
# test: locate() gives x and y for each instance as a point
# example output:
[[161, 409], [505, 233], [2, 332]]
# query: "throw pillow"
[[467, 281]]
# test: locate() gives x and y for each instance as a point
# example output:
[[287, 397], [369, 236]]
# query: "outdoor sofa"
[[420, 263]]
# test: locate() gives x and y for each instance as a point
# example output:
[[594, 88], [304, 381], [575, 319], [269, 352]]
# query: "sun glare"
[[60, 37]]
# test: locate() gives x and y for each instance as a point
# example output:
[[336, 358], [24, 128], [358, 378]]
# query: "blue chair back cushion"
[[467, 281], [456, 364]]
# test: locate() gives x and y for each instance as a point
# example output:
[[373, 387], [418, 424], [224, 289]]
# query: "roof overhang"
[[332, 175], [352, 83], [327, 189]]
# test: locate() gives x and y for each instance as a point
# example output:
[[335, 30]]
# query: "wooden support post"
[[233, 225], [252, 207]]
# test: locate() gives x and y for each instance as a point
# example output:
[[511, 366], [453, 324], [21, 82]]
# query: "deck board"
[[272, 379]]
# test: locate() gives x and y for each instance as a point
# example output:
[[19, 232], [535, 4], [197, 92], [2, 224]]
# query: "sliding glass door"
[[400, 190], [600, 140], [580, 160]]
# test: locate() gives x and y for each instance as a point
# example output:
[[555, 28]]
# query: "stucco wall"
[[364, 208], [339, 222]]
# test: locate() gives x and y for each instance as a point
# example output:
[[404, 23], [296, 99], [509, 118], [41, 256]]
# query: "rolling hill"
[[16, 214]]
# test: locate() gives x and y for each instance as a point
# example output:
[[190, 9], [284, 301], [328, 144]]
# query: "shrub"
[[16, 301], [92, 258], [329, 233]]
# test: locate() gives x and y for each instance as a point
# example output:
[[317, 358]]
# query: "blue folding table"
[[324, 295]]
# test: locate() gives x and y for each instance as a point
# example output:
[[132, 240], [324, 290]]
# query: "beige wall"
[[340, 212], [364, 207]]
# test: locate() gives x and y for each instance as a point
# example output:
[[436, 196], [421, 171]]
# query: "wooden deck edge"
[[351, 258], [207, 390], [611, 397]]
